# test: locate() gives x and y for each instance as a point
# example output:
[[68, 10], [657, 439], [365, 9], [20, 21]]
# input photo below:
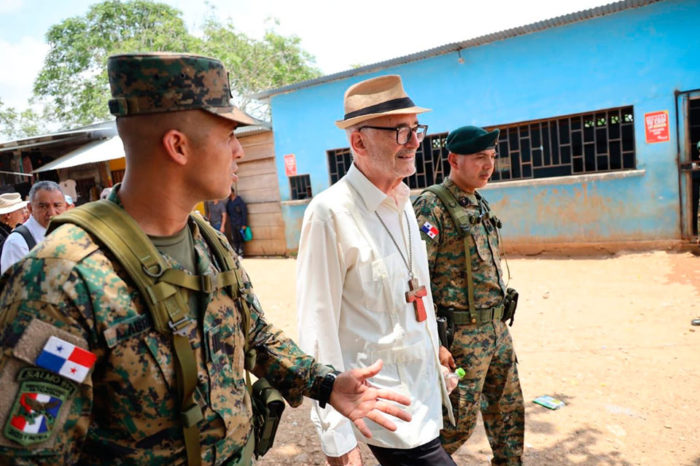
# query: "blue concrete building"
[[599, 114]]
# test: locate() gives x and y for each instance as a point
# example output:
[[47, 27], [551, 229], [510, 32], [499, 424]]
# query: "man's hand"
[[356, 399], [446, 358]]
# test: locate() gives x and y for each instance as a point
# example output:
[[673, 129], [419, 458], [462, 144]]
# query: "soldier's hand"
[[356, 399], [446, 358]]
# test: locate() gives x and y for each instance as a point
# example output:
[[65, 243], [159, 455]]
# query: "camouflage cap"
[[143, 83]]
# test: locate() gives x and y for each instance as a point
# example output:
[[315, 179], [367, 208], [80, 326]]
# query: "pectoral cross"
[[415, 296]]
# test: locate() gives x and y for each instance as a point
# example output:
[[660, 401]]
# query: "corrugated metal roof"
[[563, 20], [87, 133], [261, 127], [102, 130]]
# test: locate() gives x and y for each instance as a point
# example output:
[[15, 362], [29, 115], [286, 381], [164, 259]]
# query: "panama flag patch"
[[429, 230], [66, 359]]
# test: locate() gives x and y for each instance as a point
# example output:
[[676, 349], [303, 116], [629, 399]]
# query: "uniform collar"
[[459, 193]]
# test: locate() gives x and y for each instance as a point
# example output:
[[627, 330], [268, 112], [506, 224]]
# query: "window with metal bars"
[[431, 162], [600, 141], [594, 142], [300, 186]]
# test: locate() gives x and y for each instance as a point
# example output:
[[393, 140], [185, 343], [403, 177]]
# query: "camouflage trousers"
[[491, 384]]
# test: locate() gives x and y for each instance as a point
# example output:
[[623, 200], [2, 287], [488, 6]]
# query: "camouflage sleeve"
[[279, 359], [44, 416], [430, 224]]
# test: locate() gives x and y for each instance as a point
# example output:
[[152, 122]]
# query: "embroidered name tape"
[[429, 230], [66, 359]]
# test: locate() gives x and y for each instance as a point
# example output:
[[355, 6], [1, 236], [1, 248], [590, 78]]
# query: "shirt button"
[[473, 321]]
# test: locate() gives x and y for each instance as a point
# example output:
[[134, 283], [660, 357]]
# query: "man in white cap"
[[11, 214], [46, 200], [362, 280]]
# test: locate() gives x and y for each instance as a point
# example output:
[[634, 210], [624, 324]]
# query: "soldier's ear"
[[452, 160], [176, 145]]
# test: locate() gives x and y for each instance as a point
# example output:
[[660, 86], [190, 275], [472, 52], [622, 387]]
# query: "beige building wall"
[[259, 188]]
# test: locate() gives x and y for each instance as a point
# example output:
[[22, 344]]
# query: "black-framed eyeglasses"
[[403, 133]]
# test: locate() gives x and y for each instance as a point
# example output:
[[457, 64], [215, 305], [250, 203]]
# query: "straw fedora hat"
[[9, 202], [374, 98]]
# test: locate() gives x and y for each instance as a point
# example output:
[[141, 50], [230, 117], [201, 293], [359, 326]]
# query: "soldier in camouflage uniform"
[[482, 345], [115, 398]]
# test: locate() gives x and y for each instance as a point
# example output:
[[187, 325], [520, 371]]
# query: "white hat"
[[9, 202]]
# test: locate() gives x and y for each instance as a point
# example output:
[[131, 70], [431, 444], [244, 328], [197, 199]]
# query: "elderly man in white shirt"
[[46, 200], [362, 281]]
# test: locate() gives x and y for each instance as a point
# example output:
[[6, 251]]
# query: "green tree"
[[73, 81], [256, 65], [17, 125]]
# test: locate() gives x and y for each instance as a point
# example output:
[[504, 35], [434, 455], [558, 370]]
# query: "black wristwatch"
[[326, 388]]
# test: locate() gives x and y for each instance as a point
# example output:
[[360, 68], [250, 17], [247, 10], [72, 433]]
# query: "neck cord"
[[409, 262]]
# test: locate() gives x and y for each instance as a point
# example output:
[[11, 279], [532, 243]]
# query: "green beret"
[[143, 83], [470, 140]]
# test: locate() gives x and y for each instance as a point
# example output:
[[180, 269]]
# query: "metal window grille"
[[599, 141], [431, 162], [593, 142], [300, 186], [339, 161]]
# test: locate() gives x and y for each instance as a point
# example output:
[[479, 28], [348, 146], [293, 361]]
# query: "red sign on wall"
[[290, 165], [656, 126]]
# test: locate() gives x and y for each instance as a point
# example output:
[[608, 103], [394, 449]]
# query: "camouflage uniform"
[[128, 410], [485, 352]]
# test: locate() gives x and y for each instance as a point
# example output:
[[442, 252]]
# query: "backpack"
[[26, 234]]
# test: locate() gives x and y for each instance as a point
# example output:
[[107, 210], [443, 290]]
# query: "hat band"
[[394, 104]]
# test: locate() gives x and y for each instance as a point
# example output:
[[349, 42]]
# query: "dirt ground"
[[610, 336]]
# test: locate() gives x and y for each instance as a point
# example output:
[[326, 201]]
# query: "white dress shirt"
[[351, 285], [15, 247]]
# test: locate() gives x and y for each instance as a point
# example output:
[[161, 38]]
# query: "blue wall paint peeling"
[[637, 57]]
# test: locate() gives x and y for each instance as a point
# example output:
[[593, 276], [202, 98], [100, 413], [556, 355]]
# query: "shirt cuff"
[[338, 439]]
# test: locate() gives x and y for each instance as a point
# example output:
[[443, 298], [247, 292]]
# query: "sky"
[[339, 35]]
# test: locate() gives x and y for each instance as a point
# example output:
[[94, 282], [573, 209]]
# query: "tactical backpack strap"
[[231, 278], [462, 223], [237, 289], [120, 233], [26, 234]]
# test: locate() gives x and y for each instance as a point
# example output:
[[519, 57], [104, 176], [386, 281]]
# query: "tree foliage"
[[73, 82], [256, 65], [74, 76], [17, 125]]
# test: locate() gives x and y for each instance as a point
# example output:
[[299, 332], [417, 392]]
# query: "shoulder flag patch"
[[429, 230], [66, 359]]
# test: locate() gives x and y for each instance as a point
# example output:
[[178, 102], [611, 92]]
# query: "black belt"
[[481, 316]]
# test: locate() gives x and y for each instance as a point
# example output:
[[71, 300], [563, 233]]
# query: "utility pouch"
[[446, 326], [268, 406], [510, 304]]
